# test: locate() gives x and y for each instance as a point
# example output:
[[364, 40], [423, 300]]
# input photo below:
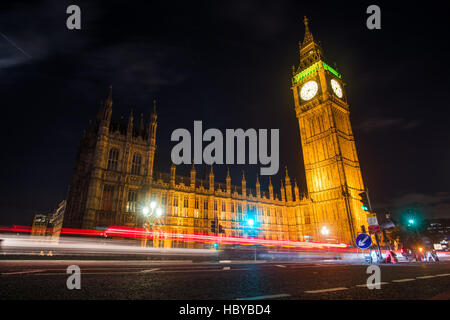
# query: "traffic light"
[[363, 229], [221, 230], [365, 201], [213, 226]]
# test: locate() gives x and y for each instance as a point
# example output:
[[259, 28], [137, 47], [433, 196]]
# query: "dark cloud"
[[380, 123], [435, 205]]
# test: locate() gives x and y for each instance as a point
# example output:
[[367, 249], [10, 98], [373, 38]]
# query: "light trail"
[[124, 240], [136, 233]]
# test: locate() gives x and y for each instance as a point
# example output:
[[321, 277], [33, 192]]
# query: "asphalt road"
[[35, 279]]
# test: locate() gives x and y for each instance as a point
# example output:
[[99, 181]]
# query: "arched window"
[[107, 197], [132, 201], [113, 159], [136, 165]]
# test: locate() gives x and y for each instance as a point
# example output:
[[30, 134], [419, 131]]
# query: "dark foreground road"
[[184, 280]]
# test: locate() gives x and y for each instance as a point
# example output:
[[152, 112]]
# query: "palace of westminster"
[[114, 177]]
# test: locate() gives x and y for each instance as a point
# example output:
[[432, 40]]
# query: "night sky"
[[229, 64]]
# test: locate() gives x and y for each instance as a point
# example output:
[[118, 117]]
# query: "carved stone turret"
[[228, 182], [258, 187]]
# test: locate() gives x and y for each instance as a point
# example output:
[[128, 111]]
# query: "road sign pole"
[[380, 257]]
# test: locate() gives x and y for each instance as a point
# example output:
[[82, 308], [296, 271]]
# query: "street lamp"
[[150, 213], [325, 231]]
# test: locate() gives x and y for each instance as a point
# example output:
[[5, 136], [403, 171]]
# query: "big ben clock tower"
[[333, 174]]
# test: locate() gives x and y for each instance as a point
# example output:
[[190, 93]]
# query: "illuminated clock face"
[[336, 88], [309, 90]]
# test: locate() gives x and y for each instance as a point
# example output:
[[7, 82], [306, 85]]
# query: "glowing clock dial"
[[309, 90], [336, 88]]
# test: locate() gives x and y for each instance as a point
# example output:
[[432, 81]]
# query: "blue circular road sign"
[[363, 241]]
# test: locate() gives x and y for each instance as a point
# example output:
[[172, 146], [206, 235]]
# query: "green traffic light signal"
[[411, 221]]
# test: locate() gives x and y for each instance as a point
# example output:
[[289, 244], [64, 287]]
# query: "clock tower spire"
[[333, 174], [310, 50]]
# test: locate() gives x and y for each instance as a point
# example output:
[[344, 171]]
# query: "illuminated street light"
[[153, 205], [145, 211], [159, 212], [325, 231], [250, 222]]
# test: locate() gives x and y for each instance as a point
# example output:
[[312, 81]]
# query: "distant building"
[[39, 226], [49, 224], [438, 229], [56, 220]]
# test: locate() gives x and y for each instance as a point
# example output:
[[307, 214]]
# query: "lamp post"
[[150, 213], [325, 231], [251, 225]]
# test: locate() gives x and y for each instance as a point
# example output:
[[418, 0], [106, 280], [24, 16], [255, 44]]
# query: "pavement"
[[230, 280]]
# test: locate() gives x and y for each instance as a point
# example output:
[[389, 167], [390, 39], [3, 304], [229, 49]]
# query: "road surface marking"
[[425, 277], [226, 268], [326, 290], [372, 284], [280, 266], [273, 296], [22, 272], [149, 270], [443, 275], [225, 261], [403, 280]]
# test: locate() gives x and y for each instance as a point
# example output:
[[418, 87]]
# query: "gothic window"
[[215, 205], [205, 205], [196, 203], [223, 206], [175, 201], [186, 202], [113, 159], [132, 201], [107, 196], [136, 165], [307, 218]]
